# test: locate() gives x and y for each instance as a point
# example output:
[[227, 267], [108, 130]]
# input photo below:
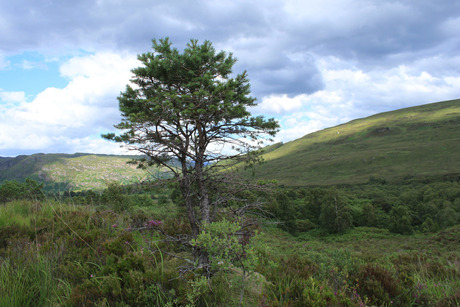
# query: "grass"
[[76, 172], [69, 254], [415, 142], [31, 284], [431, 263], [408, 143], [17, 212], [93, 172]]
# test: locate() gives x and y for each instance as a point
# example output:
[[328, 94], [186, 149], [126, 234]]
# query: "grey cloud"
[[291, 79], [261, 34], [122, 24], [368, 29], [35, 24], [390, 28]]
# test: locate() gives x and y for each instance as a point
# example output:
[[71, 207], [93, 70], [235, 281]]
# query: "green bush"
[[29, 189], [9, 190], [429, 225], [114, 197], [229, 251], [400, 220], [304, 225], [286, 212], [335, 214]]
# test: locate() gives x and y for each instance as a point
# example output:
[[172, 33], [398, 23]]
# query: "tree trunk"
[[204, 203], [201, 255], [200, 178], [186, 189], [243, 280]]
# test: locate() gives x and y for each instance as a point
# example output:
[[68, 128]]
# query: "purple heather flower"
[[153, 223]]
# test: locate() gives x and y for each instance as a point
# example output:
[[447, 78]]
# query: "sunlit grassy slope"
[[417, 142], [75, 172]]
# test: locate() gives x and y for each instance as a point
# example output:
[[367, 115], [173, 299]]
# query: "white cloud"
[[95, 145], [10, 100], [350, 92], [12, 97], [312, 64], [279, 104], [298, 125], [383, 89], [63, 118], [28, 65]]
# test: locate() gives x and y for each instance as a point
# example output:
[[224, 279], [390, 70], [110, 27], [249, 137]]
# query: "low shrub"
[[380, 286]]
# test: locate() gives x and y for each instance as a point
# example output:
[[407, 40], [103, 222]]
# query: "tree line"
[[400, 208]]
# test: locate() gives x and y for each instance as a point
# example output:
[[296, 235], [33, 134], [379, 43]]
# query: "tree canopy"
[[185, 107]]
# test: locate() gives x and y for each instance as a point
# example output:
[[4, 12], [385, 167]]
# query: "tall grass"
[[17, 212], [30, 284], [73, 254]]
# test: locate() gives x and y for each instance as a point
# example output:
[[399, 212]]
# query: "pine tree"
[[185, 107]]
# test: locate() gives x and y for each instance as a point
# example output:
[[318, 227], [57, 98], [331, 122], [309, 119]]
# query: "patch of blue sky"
[[31, 72]]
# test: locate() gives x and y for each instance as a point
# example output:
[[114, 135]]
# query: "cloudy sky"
[[312, 63]]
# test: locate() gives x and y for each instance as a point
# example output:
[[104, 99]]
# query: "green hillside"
[[411, 143], [416, 142], [75, 172]]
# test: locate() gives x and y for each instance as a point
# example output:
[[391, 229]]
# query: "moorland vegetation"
[[216, 232], [388, 245]]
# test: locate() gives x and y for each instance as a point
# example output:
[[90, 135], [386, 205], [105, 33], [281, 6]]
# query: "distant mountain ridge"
[[417, 142], [80, 171]]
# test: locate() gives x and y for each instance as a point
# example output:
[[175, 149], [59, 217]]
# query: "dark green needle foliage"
[[186, 107]]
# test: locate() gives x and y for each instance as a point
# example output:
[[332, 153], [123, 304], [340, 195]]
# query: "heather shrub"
[[380, 286], [14, 232]]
